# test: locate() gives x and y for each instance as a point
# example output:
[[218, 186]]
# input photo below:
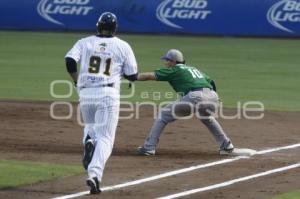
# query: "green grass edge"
[[15, 173]]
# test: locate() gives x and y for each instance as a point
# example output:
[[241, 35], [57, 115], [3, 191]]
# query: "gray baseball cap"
[[174, 55]]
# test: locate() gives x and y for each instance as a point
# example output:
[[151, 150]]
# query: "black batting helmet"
[[107, 24]]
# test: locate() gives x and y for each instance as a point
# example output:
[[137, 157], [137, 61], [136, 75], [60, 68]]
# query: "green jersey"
[[183, 78]]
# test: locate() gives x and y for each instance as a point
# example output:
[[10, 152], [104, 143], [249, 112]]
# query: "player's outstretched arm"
[[146, 76]]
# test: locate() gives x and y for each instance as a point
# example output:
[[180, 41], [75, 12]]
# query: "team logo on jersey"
[[178, 10], [51, 9], [102, 46], [284, 15]]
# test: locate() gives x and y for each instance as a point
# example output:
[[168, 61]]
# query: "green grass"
[[16, 173], [244, 69], [290, 195]]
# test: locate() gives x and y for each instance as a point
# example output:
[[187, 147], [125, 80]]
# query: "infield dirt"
[[29, 133]]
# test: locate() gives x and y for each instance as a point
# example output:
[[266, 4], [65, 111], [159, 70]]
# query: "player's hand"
[[75, 87]]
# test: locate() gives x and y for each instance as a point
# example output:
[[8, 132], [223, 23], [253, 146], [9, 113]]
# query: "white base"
[[243, 152]]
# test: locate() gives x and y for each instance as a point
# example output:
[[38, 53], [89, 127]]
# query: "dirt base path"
[[29, 133]]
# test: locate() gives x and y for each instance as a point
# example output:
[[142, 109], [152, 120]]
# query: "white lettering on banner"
[[284, 12], [199, 4], [291, 6], [293, 17], [67, 10], [78, 2], [46, 8], [182, 9], [186, 14]]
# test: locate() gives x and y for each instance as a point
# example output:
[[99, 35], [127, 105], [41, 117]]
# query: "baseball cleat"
[[226, 148], [142, 151], [88, 153], [93, 183], [237, 152]]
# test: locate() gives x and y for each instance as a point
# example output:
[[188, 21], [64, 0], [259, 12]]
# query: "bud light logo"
[[284, 15], [48, 9], [169, 10]]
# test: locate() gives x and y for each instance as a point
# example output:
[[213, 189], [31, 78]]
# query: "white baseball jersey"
[[102, 61]]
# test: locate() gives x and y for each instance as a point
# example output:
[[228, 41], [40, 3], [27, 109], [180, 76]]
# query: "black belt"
[[108, 85], [104, 85]]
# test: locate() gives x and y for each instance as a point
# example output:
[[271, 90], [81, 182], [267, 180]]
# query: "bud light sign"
[[169, 11], [49, 9], [285, 15], [279, 18]]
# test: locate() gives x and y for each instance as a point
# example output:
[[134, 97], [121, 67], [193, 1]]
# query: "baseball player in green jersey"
[[198, 92]]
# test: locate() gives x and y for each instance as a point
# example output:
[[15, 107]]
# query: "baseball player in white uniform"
[[103, 59]]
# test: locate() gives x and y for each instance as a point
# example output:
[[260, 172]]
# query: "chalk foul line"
[[179, 171], [227, 183]]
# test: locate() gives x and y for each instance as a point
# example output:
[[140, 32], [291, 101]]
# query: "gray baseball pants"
[[203, 103]]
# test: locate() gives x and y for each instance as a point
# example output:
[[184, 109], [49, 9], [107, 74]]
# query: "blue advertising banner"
[[203, 17]]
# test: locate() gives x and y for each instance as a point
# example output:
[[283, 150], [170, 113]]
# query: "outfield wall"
[[203, 17]]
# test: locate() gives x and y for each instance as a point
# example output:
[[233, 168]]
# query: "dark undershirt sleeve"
[[71, 65], [131, 78]]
